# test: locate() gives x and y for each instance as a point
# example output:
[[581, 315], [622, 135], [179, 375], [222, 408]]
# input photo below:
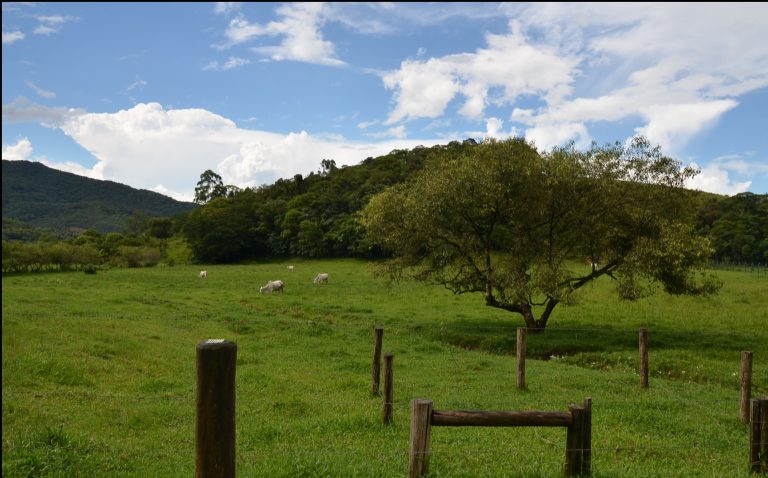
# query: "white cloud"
[[226, 7], [366, 124], [494, 128], [41, 92], [393, 132], [510, 64], [549, 135], [671, 125], [422, 90], [677, 80], [22, 151], [19, 151], [137, 85], [166, 150], [298, 27], [715, 179], [584, 63], [232, 62], [50, 23], [11, 37]]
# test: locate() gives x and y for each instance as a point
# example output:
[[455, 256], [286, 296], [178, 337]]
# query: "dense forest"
[[40, 201], [305, 216]]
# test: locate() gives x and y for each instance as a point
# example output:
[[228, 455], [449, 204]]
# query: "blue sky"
[[153, 94]]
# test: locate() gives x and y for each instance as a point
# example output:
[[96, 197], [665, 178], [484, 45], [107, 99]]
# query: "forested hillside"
[[313, 216], [305, 216], [38, 198]]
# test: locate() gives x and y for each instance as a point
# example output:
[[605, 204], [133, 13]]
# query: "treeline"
[[313, 216], [317, 216], [153, 244], [737, 227]]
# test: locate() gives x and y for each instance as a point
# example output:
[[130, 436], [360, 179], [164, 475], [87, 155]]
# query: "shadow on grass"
[[500, 339]]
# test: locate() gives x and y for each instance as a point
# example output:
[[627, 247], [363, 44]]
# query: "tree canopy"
[[517, 225]]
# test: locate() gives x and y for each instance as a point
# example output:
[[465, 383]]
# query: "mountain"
[[36, 196]]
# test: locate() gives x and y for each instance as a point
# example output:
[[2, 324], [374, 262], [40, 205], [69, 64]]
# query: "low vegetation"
[[99, 374]]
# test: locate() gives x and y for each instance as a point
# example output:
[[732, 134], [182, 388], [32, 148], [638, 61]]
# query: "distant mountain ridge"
[[65, 203]]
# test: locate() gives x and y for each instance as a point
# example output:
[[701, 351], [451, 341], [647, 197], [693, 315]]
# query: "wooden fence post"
[[376, 368], [386, 412], [421, 426], [758, 436], [521, 358], [746, 386], [644, 357], [578, 442], [215, 425]]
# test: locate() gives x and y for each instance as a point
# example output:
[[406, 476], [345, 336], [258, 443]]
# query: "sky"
[[153, 94]]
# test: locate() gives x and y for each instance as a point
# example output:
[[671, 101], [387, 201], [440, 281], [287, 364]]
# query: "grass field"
[[99, 374]]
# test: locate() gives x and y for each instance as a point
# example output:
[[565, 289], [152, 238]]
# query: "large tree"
[[517, 225], [209, 187]]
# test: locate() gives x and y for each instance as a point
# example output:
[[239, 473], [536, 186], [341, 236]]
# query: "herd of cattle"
[[277, 285]]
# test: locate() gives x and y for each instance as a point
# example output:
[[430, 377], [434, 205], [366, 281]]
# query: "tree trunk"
[[531, 323]]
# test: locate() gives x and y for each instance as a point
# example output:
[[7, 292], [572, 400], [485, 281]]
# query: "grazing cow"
[[321, 278], [203, 274], [290, 268], [272, 286]]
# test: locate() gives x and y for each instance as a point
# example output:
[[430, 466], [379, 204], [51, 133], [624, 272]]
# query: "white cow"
[[321, 278], [203, 274], [272, 286], [290, 268]]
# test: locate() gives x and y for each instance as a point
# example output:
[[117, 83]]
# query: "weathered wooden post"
[[644, 357], [386, 411], [758, 436], [521, 358], [378, 334], [746, 386], [215, 426], [421, 426], [578, 442]]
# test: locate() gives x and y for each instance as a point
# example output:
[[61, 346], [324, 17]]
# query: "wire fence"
[[463, 365]]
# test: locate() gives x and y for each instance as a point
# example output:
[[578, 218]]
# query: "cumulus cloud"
[[549, 135], [166, 150], [509, 63], [20, 151], [582, 63], [715, 179], [494, 128], [299, 29], [678, 81]]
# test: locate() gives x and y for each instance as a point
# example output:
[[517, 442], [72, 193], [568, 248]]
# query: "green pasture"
[[99, 374]]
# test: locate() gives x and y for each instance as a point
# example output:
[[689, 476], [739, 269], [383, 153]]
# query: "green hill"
[[38, 197]]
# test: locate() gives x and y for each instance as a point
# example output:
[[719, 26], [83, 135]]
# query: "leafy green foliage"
[[313, 216], [507, 221], [737, 227]]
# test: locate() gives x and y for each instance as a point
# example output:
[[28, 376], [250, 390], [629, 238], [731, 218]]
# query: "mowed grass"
[[99, 374]]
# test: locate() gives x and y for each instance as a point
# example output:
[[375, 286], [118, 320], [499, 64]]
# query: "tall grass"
[[99, 372]]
